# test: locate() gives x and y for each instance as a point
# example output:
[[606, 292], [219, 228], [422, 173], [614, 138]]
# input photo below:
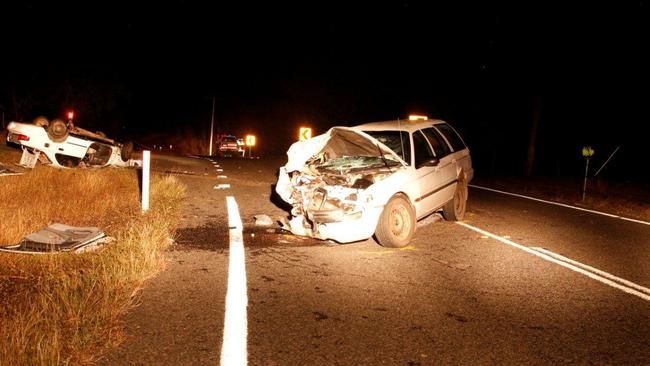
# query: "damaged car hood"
[[337, 142], [341, 156]]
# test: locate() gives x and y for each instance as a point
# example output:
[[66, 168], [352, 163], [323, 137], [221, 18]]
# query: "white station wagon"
[[377, 178]]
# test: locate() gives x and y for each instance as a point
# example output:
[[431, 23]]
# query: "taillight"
[[21, 137]]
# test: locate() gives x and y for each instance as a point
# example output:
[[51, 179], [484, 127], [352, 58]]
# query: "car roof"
[[398, 125]]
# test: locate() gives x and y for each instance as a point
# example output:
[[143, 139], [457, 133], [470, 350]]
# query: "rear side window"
[[451, 136], [439, 144]]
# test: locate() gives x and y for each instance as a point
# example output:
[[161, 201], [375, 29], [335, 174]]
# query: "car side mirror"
[[431, 162]]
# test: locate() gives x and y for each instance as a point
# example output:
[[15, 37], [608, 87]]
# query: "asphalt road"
[[454, 296]]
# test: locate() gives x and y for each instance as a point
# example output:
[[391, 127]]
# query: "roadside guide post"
[[211, 127], [587, 153], [146, 158]]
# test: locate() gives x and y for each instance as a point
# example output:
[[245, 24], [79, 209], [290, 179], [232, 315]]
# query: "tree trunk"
[[537, 116]]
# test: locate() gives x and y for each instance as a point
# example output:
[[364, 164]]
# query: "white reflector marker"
[[593, 273], [222, 186], [146, 165], [234, 350]]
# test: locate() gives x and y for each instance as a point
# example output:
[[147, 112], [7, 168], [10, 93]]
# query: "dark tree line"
[[98, 101]]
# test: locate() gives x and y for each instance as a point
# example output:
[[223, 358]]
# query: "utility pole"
[[212, 126], [537, 113]]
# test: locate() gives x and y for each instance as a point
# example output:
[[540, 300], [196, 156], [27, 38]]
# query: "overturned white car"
[[67, 146], [376, 178]]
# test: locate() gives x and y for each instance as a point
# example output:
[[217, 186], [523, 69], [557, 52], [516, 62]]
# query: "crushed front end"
[[333, 194]]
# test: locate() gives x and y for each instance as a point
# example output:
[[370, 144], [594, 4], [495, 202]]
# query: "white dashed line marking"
[[562, 204], [591, 272], [234, 350]]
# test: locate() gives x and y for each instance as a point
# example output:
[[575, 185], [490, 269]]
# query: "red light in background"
[[70, 115]]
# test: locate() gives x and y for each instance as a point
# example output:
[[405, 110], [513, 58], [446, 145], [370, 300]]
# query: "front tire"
[[454, 210], [396, 225], [41, 121]]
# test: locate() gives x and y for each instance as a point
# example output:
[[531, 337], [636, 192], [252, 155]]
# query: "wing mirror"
[[430, 162]]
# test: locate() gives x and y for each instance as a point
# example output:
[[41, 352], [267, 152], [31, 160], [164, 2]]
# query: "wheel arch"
[[406, 195]]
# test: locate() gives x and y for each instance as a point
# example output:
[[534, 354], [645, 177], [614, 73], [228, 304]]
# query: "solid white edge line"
[[234, 349], [234, 221], [561, 204], [597, 271], [559, 262]]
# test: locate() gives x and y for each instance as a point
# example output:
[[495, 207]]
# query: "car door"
[[445, 171], [435, 181]]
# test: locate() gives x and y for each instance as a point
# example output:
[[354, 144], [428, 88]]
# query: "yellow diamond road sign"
[[305, 133]]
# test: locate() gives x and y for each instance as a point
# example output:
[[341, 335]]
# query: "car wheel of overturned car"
[[454, 210], [126, 151], [41, 121], [57, 131], [397, 223]]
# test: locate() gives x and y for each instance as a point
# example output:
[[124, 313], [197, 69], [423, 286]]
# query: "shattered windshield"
[[348, 163], [396, 141]]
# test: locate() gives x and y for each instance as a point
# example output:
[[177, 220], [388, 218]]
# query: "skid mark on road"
[[234, 350], [591, 272]]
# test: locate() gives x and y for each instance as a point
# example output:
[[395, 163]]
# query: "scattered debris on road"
[[263, 220], [431, 219], [4, 171]]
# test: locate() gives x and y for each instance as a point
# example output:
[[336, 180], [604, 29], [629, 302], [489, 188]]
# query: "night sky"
[[148, 72]]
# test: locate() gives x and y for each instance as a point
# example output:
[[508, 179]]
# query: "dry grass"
[[65, 309]]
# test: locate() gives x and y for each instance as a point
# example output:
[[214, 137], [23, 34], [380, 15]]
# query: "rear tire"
[[57, 131], [396, 225], [454, 210]]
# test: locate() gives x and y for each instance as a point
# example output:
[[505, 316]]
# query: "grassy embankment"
[[65, 309]]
